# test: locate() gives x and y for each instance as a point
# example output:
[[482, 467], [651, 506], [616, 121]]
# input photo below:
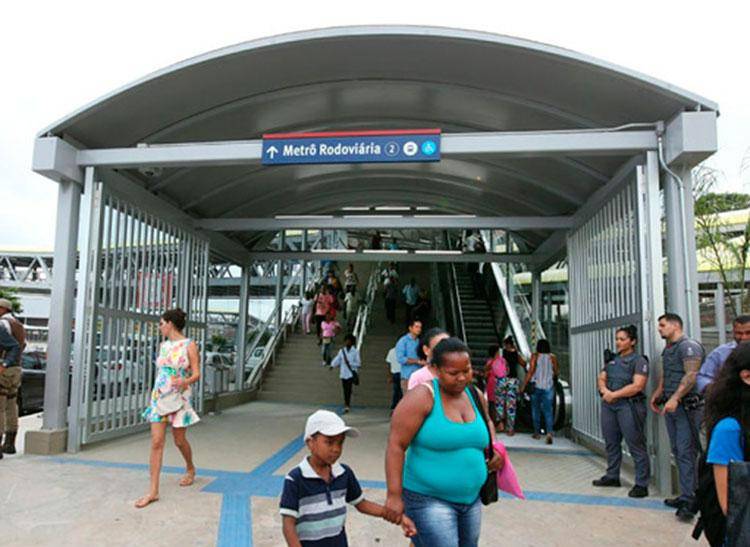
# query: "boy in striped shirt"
[[315, 494]]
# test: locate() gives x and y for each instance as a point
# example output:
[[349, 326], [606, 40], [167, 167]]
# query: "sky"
[[58, 56]]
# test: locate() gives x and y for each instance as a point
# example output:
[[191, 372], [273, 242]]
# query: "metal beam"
[[391, 256], [384, 222], [527, 144], [61, 306]]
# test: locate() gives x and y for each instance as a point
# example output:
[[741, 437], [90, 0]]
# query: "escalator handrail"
[[515, 323], [457, 297]]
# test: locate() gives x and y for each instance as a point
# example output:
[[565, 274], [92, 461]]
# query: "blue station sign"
[[400, 146]]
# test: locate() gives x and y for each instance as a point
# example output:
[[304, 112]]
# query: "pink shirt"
[[329, 328], [498, 369], [422, 376], [323, 304]]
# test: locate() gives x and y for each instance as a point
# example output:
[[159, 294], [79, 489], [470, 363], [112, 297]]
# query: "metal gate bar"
[[135, 266]]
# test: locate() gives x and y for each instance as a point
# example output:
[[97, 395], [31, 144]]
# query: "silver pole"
[[536, 297], [689, 251], [303, 283], [676, 288], [61, 306], [280, 280], [720, 313], [242, 330], [650, 267]]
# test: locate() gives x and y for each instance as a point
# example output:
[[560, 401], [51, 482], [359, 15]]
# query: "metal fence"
[[134, 266], [604, 283]]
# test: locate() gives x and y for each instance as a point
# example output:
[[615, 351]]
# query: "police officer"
[[676, 391], [623, 411], [10, 379]]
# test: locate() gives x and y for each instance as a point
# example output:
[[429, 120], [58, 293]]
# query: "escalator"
[[480, 311]]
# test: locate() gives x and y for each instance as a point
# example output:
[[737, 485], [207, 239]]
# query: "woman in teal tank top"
[[435, 460]]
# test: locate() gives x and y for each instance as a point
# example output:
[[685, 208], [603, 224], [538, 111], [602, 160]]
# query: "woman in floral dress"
[[178, 368]]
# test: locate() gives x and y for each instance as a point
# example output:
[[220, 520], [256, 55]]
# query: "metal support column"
[[652, 306], [536, 299], [280, 280], [61, 306], [720, 313], [675, 239], [303, 282], [241, 343], [694, 331]]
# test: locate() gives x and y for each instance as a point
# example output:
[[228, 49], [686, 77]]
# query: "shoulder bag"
[[488, 493], [355, 376]]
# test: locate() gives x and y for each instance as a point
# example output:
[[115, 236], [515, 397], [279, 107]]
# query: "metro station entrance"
[[554, 158]]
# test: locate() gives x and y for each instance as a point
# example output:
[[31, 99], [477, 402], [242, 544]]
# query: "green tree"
[[725, 246], [11, 295], [712, 203]]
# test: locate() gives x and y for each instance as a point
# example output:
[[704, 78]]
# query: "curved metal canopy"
[[378, 77]]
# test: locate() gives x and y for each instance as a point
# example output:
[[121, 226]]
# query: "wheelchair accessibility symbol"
[[429, 148]]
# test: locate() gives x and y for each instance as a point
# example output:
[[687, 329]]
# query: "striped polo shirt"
[[319, 506]]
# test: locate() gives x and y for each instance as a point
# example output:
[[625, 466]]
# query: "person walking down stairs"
[[348, 362]]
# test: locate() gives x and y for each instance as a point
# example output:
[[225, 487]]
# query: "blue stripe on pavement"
[[235, 525], [236, 488]]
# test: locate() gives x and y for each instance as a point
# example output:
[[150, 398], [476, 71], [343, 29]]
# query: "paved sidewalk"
[[242, 455]]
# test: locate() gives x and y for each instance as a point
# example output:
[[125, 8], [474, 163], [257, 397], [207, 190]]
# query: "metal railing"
[[291, 318], [456, 303], [364, 313], [522, 335], [265, 327]]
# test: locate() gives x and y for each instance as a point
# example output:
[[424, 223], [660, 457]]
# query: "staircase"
[[298, 377], [478, 318]]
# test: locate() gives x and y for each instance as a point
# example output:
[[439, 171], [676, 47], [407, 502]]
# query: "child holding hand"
[[315, 494]]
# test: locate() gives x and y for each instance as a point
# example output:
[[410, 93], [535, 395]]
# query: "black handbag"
[[355, 376], [488, 493]]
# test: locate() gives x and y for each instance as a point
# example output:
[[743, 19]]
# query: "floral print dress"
[[172, 362]]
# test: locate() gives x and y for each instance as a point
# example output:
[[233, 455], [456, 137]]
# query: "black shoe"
[[9, 445], [684, 514], [606, 481], [674, 503], [638, 492]]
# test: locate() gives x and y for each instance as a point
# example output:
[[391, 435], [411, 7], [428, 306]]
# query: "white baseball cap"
[[328, 423]]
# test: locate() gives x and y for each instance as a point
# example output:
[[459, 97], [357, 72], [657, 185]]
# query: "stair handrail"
[[364, 311], [459, 306], [515, 323], [290, 318], [263, 327]]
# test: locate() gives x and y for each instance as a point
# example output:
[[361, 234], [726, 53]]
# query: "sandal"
[[148, 499], [188, 479]]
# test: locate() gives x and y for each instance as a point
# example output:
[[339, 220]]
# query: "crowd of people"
[[442, 446]]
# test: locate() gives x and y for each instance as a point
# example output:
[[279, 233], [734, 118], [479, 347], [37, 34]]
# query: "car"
[[31, 394], [117, 368]]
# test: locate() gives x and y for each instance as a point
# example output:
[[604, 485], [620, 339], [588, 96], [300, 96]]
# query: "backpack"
[[18, 332], [712, 522]]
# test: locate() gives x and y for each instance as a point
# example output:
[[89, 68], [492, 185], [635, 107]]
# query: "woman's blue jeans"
[[441, 523], [541, 404]]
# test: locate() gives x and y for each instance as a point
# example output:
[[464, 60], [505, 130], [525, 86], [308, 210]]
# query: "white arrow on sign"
[[272, 151]]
